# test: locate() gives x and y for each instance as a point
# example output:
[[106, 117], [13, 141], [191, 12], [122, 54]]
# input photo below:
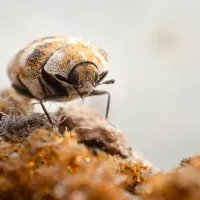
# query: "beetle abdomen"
[[26, 65]]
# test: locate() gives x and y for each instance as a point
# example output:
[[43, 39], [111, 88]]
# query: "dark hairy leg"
[[50, 98], [41, 101], [60, 93], [45, 111], [103, 92]]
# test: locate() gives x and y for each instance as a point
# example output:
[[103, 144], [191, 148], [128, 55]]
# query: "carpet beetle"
[[59, 68]]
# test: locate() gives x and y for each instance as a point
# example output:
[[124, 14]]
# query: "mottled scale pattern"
[[73, 53], [27, 63], [58, 55]]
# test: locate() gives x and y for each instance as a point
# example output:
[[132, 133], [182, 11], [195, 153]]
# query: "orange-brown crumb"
[[83, 157], [181, 183], [191, 161], [136, 173], [48, 166]]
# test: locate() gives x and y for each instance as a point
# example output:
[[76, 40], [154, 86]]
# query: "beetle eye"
[[73, 77], [61, 78], [96, 77]]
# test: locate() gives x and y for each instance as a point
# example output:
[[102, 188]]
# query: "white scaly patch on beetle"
[[82, 54], [12, 74], [75, 40], [104, 62], [87, 87], [52, 65], [34, 86], [93, 48], [29, 50], [98, 54]]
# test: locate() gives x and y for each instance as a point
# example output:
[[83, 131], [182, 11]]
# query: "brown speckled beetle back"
[[59, 68]]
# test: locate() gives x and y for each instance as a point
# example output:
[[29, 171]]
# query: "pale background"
[[154, 55]]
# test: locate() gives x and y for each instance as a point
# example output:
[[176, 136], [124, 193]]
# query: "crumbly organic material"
[[181, 183], [82, 157]]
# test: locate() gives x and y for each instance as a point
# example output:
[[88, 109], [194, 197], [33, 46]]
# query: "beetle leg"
[[54, 97], [102, 92], [49, 98], [42, 86], [45, 111], [41, 100]]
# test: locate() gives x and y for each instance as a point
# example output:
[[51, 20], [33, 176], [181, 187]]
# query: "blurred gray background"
[[154, 55]]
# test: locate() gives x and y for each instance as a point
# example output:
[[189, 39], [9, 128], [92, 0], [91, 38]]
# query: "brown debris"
[[48, 166], [14, 104], [193, 161], [39, 162], [136, 173], [16, 128], [94, 131], [181, 183]]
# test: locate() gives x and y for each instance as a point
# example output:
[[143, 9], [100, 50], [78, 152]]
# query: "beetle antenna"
[[111, 81]]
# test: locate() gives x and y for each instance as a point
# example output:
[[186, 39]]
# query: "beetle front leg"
[[45, 111], [41, 101], [49, 98], [103, 92]]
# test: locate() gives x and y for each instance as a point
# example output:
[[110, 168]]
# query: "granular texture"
[[48, 166], [16, 128], [81, 157], [94, 131], [181, 183]]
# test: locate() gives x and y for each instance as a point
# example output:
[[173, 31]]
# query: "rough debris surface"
[[181, 183], [94, 131], [83, 157]]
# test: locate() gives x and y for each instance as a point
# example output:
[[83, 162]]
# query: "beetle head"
[[82, 78]]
